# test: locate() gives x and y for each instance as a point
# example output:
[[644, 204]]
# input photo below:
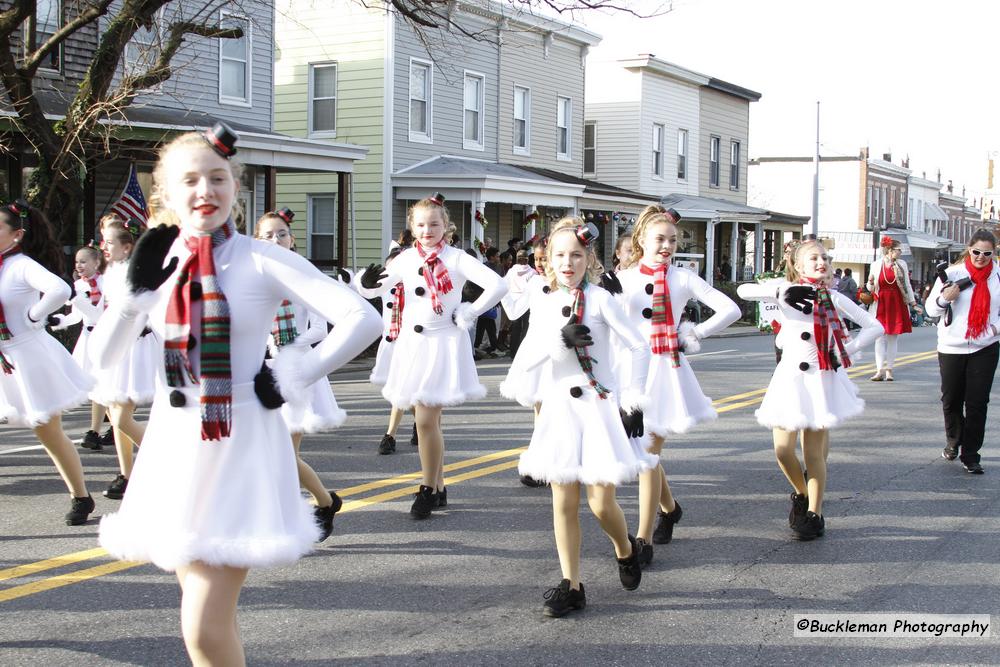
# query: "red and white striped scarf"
[[95, 289], [215, 363], [825, 321], [435, 274], [396, 318], [5, 333], [663, 339]]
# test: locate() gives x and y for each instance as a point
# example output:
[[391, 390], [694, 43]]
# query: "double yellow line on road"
[[408, 484]]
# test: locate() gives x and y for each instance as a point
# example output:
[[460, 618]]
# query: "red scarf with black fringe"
[[663, 339], [435, 274]]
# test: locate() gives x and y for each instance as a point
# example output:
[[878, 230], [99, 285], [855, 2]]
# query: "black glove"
[[145, 270], [576, 335], [345, 277], [632, 423], [53, 321], [800, 297], [610, 282], [373, 276], [266, 388]]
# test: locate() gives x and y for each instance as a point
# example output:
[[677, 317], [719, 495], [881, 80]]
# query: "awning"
[[924, 241], [934, 212]]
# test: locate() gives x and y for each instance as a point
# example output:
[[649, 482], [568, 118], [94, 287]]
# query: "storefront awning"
[[923, 241], [934, 212]]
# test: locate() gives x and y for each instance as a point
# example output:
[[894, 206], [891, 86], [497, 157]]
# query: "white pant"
[[885, 352]]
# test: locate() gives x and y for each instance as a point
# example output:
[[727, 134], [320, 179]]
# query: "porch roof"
[[708, 208]]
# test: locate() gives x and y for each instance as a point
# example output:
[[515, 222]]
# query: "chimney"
[[887, 157], [939, 176], [924, 175], [951, 189]]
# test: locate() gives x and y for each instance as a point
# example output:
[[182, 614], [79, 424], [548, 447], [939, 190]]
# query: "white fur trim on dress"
[[631, 400], [558, 349], [465, 316], [287, 368], [688, 335]]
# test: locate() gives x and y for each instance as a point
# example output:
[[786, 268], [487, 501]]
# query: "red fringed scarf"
[[95, 289], [663, 339], [825, 321], [214, 361], [396, 319], [284, 332], [979, 309], [435, 275], [5, 333]]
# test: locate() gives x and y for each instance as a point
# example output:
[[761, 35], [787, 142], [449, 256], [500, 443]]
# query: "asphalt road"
[[906, 532]]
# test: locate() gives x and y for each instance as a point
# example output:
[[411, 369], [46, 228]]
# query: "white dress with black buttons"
[[383, 357], [524, 384], [800, 395], [677, 402], [579, 436], [87, 314], [432, 362]]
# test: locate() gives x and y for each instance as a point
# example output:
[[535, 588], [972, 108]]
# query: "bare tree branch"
[[160, 71], [34, 59]]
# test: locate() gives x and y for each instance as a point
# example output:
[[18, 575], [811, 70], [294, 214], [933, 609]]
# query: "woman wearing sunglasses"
[[967, 346], [889, 282]]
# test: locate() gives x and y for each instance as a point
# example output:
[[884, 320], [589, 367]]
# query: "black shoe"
[[108, 439], [91, 440], [800, 504], [665, 528], [973, 468], [645, 552], [116, 490], [811, 527], [423, 502], [80, 509], [562, 599], [441, 498], [413, 438], [388, 444], [949, 453], [629, 570], [324, 516], [528, 480]]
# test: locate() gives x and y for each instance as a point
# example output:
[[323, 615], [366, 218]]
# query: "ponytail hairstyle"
[[39, 240], [572, 224], [434, 202], [94, 251], [651, 215], [981, 234]]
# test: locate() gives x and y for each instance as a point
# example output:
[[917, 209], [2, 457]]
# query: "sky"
[[910, 77]]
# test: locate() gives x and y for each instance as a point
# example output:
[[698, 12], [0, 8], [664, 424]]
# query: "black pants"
[[966, 381], [518, 328], [489, 326]]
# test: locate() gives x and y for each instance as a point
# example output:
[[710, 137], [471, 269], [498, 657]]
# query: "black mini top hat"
[[222, 139], [674, 216], [587, 233], [19, 208], [285, 214], [437, 198]]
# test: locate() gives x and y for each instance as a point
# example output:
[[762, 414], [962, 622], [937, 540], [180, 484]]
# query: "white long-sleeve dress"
[[524, 384], [45, 380], [800, 395], [579, 436], [84, 312], [676, 401], [235, 501], [432, 362]]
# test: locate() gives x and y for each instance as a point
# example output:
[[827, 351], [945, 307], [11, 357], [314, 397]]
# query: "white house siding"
[[673, 104], [354, 38], [618, 125], [523, 63], [453, 55], [921, 192], [727, 117]]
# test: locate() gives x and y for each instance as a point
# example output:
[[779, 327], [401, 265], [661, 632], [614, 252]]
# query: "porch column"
[[532, 210], [341, 219], [710, 250], [270, 188], [758, 247], [478, 233], [734, 239]]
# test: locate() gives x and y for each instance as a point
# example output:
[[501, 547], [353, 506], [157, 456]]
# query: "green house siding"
[[354, 39]]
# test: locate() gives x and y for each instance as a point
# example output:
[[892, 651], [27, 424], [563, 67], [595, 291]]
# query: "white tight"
[[885, 352]]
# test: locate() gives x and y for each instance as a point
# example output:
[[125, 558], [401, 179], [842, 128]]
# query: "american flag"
[[132, 204]]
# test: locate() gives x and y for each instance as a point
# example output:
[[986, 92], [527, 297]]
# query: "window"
[[734, 165], [323, 99], [590, 148], [657, 150], [474, 98], [47, 20], [322, 246], [234, 63], [522, 120], [868, 208], [682, 154], [714, 146], [421, 87], [875, 207], [564, 119]]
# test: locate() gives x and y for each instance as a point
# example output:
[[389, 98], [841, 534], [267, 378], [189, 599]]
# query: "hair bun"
[[285, 214], [222, 139]]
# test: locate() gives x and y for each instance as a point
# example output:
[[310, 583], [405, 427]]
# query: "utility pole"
[[815, 215]]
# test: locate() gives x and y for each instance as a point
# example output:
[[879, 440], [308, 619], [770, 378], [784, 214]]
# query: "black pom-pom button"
[[805, 335], [804, 366], [90, 328], [418, 328], [566, 311], [647, 313], [177, 399], [420, 291], [649, 288], [392, 291], [420, 271], [575, 392], [388, 340], [546, 289], [196, 291], [390, 305], [192, 342]]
